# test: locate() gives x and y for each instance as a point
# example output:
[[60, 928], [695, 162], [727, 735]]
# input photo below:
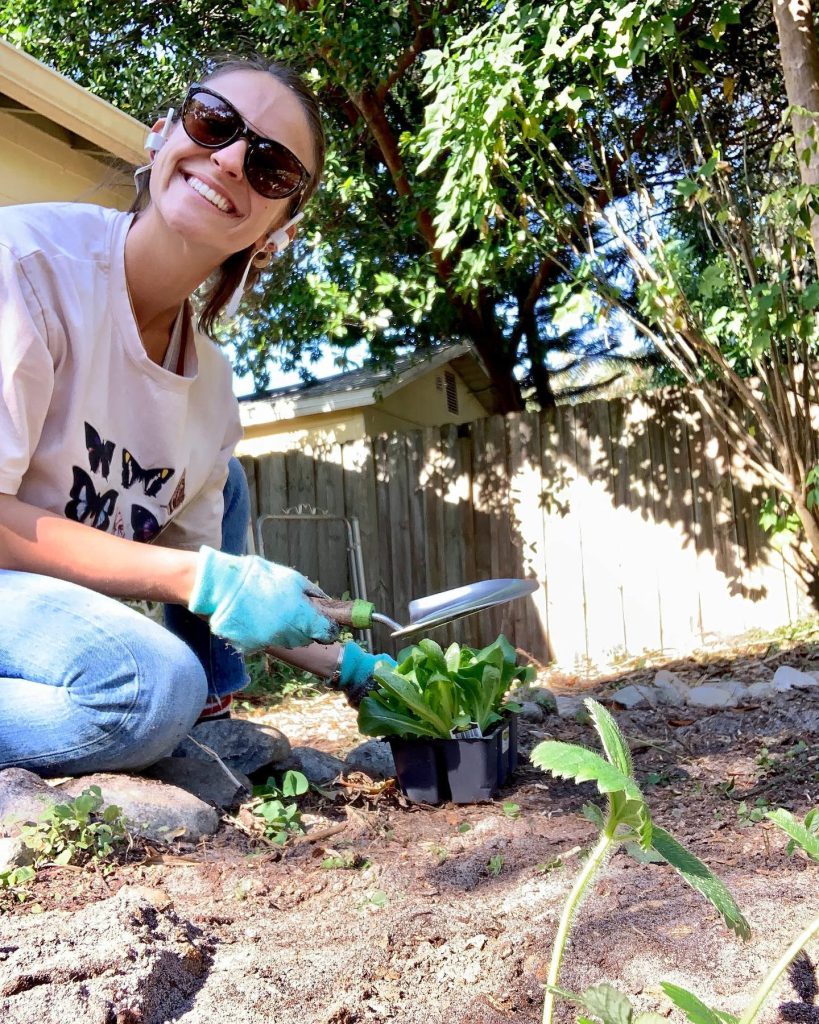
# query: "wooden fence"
[[632, 515]]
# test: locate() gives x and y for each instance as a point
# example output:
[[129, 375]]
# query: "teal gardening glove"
[[253, 603], [355, 672]]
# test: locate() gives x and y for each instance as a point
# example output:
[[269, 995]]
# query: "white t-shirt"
[[90, 427]]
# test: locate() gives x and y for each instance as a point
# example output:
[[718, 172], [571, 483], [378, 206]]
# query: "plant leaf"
[[375, 719], [570, 761], [695, 1009], [613, 741], [605, 1002], [809, 841], [404, 691], [699, 877]]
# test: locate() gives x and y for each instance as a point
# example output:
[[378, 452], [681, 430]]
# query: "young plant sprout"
[[627, 822]]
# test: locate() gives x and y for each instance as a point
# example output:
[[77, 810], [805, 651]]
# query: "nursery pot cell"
[[464, 771]]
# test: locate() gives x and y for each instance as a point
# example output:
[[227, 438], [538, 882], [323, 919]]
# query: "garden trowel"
[[433, 610]]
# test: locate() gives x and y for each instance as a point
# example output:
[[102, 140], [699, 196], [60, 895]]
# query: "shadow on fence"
[[641, 530]]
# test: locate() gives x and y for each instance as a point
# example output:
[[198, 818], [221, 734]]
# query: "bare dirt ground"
[[447, 913]]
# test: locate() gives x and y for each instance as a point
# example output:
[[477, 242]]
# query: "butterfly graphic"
[[99, 451], [178, 495], [86, 506], [151, 479], [119, 525], [144, 524]]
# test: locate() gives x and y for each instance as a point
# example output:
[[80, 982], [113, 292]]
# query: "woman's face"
[[203, 193]]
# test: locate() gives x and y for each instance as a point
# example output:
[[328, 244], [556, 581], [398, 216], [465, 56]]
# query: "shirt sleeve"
[[26, 371]]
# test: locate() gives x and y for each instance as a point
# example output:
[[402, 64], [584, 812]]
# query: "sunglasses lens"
[[273, 170], [208, 120]]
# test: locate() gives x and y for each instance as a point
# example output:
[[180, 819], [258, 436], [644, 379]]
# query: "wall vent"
[[451, 392]]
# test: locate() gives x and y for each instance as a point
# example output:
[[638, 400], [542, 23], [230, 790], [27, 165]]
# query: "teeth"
[[213, 197]]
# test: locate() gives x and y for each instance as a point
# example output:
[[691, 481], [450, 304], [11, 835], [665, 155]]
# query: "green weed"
[[281, 819]]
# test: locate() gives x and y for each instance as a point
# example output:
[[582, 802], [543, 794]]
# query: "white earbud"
[[280, 240], [156, 140]]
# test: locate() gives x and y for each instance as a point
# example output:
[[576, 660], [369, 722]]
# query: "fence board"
[[301, 494], [640, 531], [331, 536], [272, 496]]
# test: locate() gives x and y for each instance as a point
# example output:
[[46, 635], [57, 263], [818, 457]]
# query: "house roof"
[[41, 96], [363, 387]]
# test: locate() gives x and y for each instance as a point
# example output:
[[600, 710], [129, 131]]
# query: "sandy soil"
[[448, 913]]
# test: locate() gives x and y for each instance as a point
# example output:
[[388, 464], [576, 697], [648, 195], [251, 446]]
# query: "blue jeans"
[[88, 684]]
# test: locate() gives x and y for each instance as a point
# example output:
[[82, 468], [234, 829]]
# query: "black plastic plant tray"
[[464, 771]]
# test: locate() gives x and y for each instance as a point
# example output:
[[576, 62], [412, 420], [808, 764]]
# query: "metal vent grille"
[[451, 388]]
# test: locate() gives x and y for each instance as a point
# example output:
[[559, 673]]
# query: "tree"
[[735, 315], [376, 260]]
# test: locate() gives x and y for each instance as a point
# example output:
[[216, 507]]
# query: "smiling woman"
[[117, 428]]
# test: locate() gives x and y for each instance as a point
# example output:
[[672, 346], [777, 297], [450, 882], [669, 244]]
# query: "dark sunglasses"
[[271, 169]]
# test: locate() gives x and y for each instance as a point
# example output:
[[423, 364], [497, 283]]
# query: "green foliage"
[[803, 834], [273, 681], [605, 1003], [435, 693], [76, 831], [275, 802], [495, 865], [17, 881]]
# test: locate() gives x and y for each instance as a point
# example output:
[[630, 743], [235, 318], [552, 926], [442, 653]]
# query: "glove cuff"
[[203, 598]]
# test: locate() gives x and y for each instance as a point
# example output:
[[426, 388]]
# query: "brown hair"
[[224, 280]]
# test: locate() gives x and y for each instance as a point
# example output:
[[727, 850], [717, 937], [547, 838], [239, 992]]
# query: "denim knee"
[[111, 689]]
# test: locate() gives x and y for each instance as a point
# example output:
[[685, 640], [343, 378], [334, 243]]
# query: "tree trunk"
[[799, 54]]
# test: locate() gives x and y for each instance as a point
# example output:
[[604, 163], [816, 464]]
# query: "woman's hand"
[[255, 604]]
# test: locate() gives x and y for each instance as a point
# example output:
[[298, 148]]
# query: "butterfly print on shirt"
[[86, 506], [151, 479], [178, 495], [144, 524], [99, 451]]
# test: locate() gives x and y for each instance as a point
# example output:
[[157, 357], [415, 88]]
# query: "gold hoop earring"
[[262, 259]]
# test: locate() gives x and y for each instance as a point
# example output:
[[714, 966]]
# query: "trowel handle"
[[357, 614]]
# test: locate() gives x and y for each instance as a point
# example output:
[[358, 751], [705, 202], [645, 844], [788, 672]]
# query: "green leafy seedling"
[[511, 810], [627, 822], [281, 819], [76, 831], [376, 900], [495, 865]]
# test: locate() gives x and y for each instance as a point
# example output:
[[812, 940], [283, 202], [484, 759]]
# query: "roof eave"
[[45, 91]]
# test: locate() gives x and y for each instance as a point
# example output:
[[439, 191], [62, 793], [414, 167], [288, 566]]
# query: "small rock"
[[788, 678], [374, 757], [536, 695], [631, 697], [14, 853], [152, 809], [531, 711], [245, 745], [724, 693], [319, 767], [762, 690], [208, 782], [671, 683], [568, 705], [23, 797]]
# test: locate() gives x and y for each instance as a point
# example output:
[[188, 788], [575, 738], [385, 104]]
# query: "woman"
[[117, 425]]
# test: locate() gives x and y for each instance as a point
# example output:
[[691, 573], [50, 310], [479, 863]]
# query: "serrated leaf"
[[570, 761], [613, 741], [694, 1008], [809, 841], [702, 879]]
